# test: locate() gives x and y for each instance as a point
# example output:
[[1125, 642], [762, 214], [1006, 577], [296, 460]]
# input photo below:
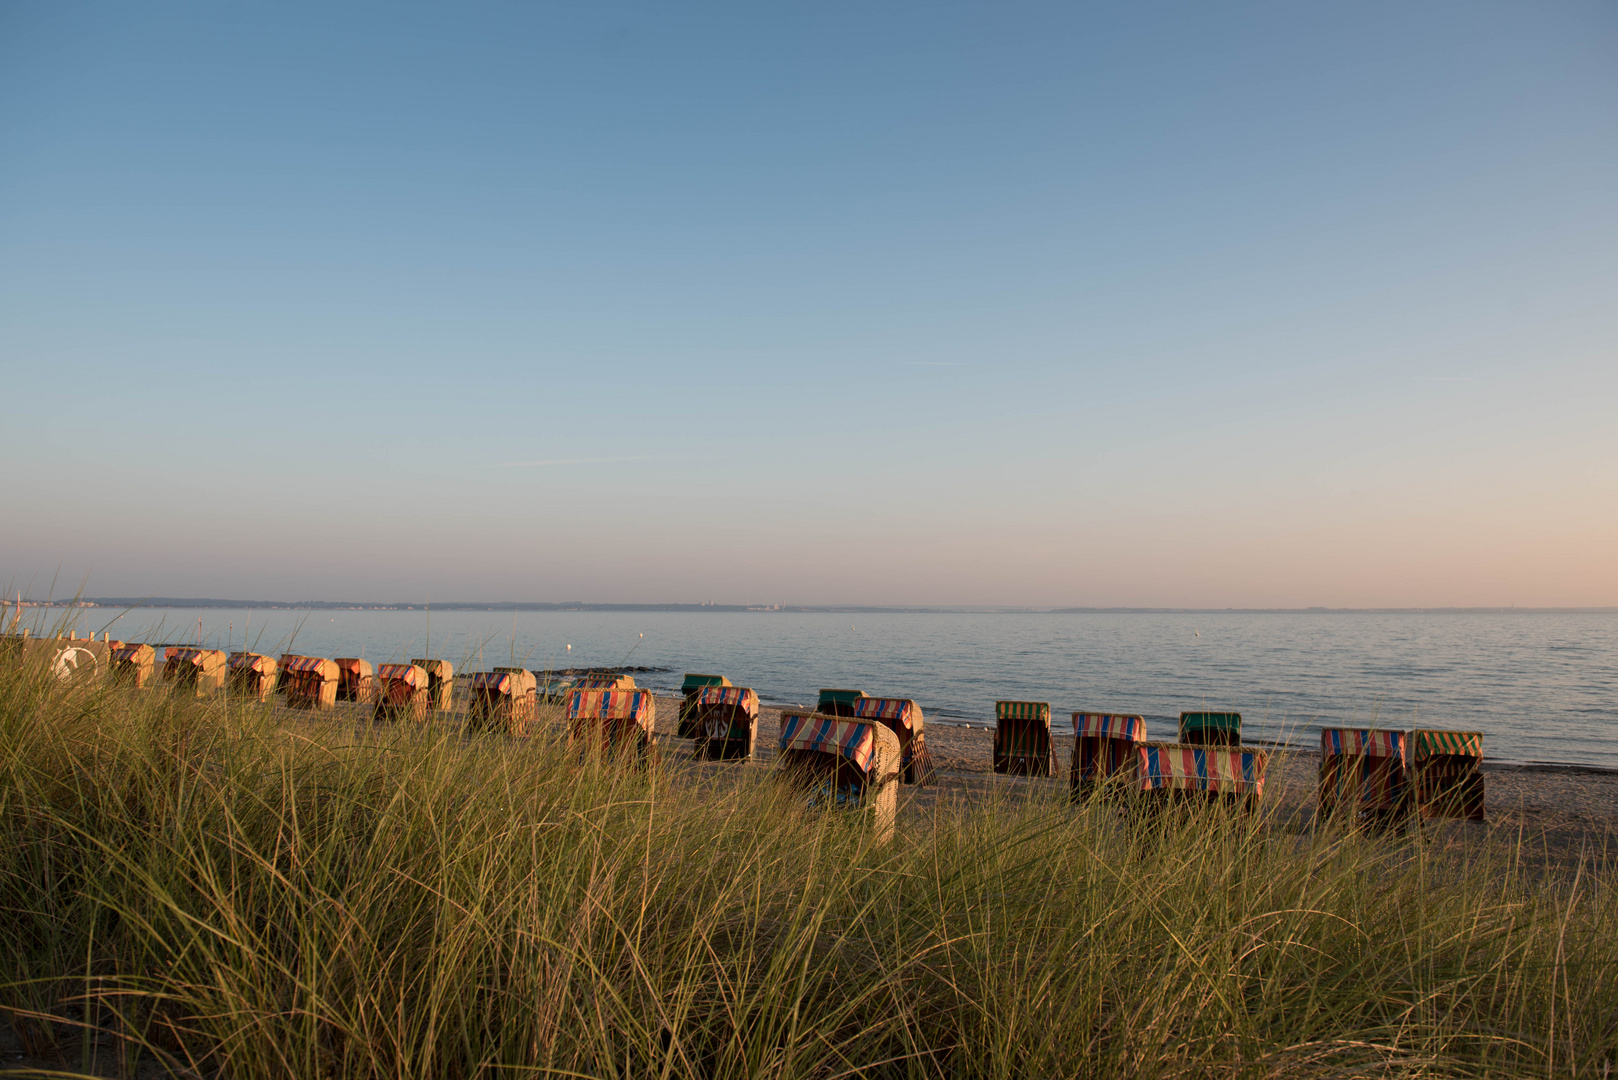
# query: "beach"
[[1563, 803]]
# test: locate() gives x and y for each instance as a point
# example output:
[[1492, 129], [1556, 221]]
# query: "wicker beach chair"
[[1211, 728], [311, 683], [598, 681], [503, 700], [356, 679], [1022, 738], [281, 667], [1104, 755], [1449, 773], [688, 693], [1363, 777], [401, 692], [613, 721], [842, 764], [440, 683], [252, 674], [202, 670], [723, 720], [903, 717], [132, 664], [838, 702], [1177, 773]]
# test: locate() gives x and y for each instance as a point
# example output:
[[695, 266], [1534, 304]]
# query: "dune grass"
[[222, 889]]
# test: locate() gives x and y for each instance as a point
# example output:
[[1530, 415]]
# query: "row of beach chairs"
[[1368, 776]]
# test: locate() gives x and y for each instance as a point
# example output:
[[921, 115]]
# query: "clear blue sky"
[[1148, 304]]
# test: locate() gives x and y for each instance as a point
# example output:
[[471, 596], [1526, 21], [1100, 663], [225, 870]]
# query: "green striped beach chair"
[[1211, 728], [1022, 738], [1449, 773]]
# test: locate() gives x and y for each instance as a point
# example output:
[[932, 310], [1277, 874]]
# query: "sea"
[[1541, 687]]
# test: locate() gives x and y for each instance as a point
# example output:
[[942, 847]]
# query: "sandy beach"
[[1562, 803]]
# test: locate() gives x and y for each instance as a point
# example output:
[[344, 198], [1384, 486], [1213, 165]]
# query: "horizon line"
[[778, 608]]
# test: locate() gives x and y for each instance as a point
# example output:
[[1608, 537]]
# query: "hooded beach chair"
[[903, 717], [401, 692], [1169, 773], [282, 666], [1022, 738], [604, 681], [356, 679], [1104, 747], [132, 664], [838, 702], [71, 659], [199, 669], [688, 692], [252, 674], [311, 683], [503, 700], [841, 763], [1449, 773], [723, 720], [440, 683], [613, 721], [1363, 777], [1211, 728]]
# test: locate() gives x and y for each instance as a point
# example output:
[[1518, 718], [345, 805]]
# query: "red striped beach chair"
[[201, 670], [1168, 773], [356, 679], [401, 693], [841, 763], [692, 683], [252, 674], [1363, 777], [613, 720], [440, 683], [311, 683], [132, 664], [1449, 773], [903, 717], [503, 700], [723, 720], [1104, 746], [1022, 738]]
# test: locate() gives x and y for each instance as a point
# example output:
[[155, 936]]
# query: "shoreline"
[[1563, 804]]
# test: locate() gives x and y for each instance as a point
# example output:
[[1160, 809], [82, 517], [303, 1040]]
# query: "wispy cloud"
[[934, 363], [548, 462], [1444, 378]]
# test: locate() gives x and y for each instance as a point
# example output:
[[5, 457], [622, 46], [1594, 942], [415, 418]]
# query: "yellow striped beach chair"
[[614, 721]]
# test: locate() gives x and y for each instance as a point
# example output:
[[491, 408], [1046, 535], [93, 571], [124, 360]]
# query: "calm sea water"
[[1541, 687]]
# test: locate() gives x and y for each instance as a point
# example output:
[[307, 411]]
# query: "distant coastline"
[[858, 609]]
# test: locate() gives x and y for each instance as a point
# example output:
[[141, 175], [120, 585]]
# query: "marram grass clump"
[[220, 889]]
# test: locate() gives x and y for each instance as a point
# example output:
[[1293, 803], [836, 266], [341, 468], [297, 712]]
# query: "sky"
[[1136, 304]]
